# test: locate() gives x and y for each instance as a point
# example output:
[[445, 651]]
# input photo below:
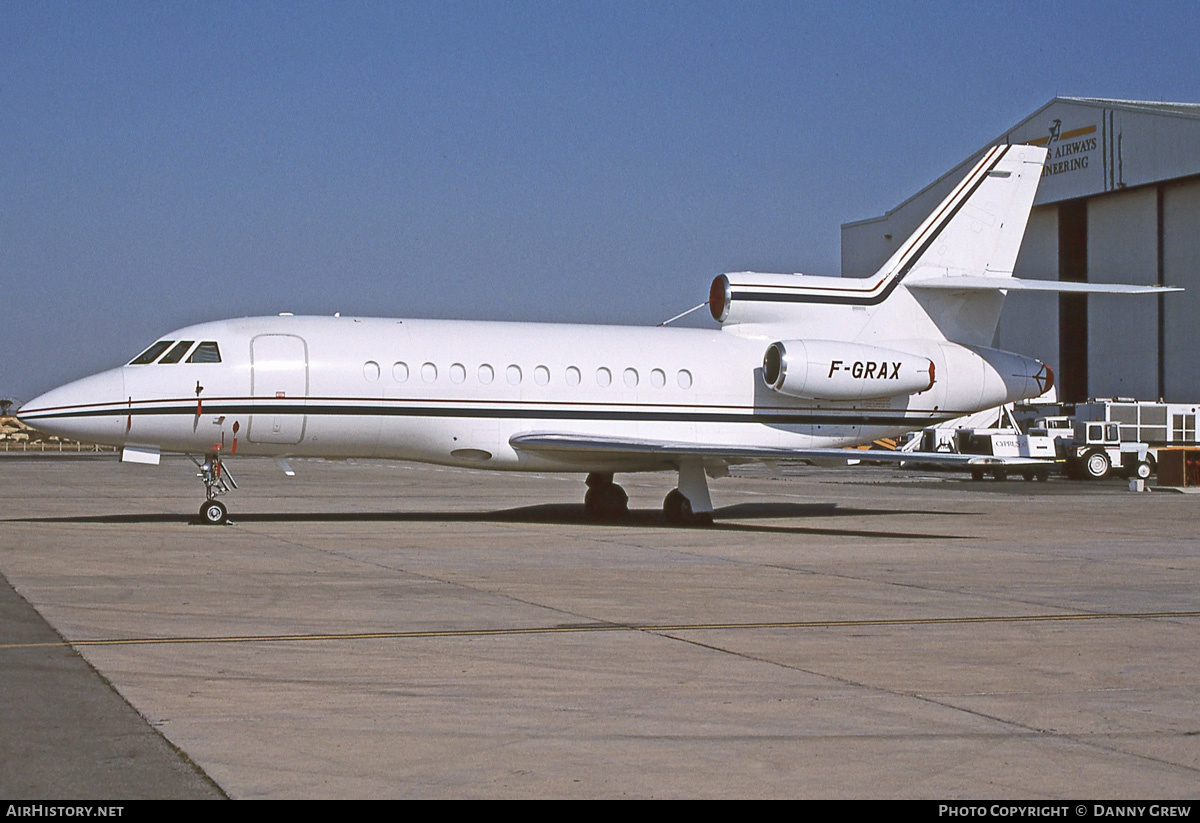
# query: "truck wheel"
[[1141, 470], [1096, 464]]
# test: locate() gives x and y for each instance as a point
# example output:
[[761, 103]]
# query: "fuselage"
[[457, 392], [799, 363]]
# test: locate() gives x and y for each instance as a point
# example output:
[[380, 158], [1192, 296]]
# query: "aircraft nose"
[[91, 410]]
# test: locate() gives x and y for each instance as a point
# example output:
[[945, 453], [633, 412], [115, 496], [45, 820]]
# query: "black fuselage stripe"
[[874, 299], [851, 418]]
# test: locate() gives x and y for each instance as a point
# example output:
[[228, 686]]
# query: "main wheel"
[[606, 501], [1096, 464], [597, 479], [678, 511], [676, 507], [213, 513]]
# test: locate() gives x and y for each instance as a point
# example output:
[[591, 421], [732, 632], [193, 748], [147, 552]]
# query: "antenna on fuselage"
[[684, 314]]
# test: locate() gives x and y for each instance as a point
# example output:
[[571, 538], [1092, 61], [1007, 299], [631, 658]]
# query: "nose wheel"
[[214, 513], [217, 480]]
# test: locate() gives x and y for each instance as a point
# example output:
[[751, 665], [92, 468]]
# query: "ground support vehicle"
[[1002, 451], [1030, 455], [1138, 423], [1096, 450]]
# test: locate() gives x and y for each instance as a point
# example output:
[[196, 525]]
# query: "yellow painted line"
[[613, 627], [1067, 135]]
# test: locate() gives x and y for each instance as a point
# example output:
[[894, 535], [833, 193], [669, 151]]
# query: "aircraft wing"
[[576, 448], [964, 283]]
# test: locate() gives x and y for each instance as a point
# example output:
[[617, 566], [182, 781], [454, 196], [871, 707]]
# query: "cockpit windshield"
[[176, 354], [206, 352], [151, 354]]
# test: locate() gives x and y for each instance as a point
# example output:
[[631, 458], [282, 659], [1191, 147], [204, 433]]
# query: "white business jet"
[[801, 367]]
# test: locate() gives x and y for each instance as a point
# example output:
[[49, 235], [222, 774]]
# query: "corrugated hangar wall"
[[1037, 334], [1122, 332], [1181, 312], [1119, 202]]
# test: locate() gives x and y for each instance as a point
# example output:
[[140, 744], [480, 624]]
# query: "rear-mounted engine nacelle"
[[829, 370]]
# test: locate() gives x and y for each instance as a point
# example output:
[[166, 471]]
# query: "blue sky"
[[171, 162]]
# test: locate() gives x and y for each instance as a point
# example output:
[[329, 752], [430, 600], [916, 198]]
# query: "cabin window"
[[541, 375], [176, 354], [513, 373], [685, 379], [573, 376], [658, 379], [603, 376], [486, 374], [399, 371], [631, 378], [151, 354], [458, 373], [206, 352], [371, 371], [429, 372]]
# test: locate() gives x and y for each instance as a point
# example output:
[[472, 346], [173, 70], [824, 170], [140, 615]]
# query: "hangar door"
[[279, 384]]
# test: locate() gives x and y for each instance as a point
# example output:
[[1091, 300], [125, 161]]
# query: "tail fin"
[[976, 231], [945, 282]]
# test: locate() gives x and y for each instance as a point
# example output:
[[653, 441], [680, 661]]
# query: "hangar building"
[[1119, 202]]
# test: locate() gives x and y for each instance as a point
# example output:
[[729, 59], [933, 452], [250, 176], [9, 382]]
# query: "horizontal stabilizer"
[[967, 283]]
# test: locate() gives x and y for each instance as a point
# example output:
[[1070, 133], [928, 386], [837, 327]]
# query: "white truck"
[[1094, 449], [1119, 433], [1143, 421], [1031, 455]]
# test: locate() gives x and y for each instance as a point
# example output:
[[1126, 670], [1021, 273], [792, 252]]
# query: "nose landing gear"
[[213, 513], [217, 480]]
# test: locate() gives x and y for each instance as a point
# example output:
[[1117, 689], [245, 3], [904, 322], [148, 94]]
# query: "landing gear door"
[[279, 383]]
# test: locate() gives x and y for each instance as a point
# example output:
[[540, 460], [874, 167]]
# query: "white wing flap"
[[576, 447]]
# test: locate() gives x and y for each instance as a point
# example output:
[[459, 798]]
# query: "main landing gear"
[[605, 500], [687, 505], [217, 480]]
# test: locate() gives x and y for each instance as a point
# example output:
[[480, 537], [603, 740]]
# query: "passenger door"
[[279, 384]]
